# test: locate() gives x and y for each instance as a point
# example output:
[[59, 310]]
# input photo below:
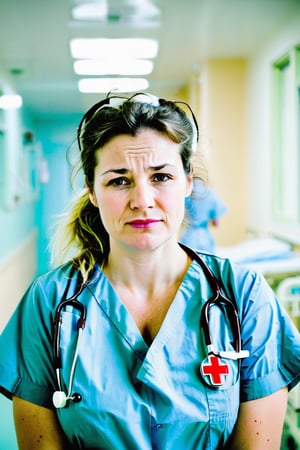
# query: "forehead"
[[149, 147]]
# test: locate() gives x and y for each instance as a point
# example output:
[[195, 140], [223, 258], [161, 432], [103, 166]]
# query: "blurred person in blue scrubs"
[[116, 348], [204, 209]]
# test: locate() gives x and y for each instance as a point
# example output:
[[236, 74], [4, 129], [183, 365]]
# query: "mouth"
[[143, 224]]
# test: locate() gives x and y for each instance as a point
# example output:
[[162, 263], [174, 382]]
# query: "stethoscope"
[[60, 397], [214, 369]]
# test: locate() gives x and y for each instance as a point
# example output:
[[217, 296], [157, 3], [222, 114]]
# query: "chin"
[[149, 242]]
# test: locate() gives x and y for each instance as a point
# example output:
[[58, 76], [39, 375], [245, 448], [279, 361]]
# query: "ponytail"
[[81, 237]]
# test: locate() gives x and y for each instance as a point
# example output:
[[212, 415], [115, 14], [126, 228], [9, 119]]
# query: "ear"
[[91, 193]]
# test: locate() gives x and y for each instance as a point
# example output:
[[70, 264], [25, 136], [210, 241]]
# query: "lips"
[[143, 223]]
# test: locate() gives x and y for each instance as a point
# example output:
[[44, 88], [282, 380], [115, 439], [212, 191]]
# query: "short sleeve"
[[26, 354], [272, 340]]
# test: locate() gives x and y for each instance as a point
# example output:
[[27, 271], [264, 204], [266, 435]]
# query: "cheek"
[[174, 204], [110, 206]]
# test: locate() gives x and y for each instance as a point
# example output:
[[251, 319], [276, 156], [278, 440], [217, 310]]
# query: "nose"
[[141, 196]]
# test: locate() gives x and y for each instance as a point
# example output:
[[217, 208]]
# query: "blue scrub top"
[[201, 208], [138, 397]]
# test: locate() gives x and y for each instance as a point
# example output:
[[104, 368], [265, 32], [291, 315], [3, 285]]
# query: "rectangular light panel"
[[130, 48]]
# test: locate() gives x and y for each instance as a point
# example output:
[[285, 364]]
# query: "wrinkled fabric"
[[138, 397]]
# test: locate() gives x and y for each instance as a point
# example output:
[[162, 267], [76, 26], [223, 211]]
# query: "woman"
[[145, 372], [203, 210]]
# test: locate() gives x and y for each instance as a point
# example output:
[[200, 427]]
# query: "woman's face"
[[139, 188]]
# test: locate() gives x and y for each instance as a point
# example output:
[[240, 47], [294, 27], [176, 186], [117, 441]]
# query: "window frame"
[[285, 145]]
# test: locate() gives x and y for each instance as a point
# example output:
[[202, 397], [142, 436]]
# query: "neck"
[[147, 270], [147, 283]]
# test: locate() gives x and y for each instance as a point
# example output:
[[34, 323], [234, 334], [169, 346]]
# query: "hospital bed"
[[269, 256]]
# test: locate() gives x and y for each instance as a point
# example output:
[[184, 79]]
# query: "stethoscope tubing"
[[59, 397], [217, 299]]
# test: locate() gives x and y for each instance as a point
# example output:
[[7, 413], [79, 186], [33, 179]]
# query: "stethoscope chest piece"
[[59, 399]]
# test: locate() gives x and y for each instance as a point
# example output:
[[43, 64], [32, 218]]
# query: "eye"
[[162, 177], [120, 181]]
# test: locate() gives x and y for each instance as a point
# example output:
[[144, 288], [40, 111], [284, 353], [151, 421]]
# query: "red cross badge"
[[213, 368]]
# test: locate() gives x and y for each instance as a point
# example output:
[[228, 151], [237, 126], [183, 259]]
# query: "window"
[[285, 142]]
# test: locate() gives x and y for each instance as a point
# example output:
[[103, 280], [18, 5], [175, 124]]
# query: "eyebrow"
[[124, 171]]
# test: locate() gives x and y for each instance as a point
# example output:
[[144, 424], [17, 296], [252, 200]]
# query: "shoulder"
[[54, 278], [59, 272], [236, 280], [220, 265], [48, 288], [266, 328], [61, 282]]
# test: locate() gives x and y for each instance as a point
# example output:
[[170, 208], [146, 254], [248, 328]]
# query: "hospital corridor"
[[236, 63]]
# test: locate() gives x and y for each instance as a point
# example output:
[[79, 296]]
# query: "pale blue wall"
[[18, 221], [53, 136], [56, 136], [16, 224]]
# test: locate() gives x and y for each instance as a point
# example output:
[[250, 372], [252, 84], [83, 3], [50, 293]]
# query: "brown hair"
[[81, 235]]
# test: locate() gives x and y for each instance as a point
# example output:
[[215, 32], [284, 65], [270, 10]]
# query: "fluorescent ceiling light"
[[104, 85], [10, 101], [133, 10], [130, 48], [113, 67], [90, 11]]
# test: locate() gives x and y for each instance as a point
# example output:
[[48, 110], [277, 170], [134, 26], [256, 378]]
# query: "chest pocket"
[[223, 408]]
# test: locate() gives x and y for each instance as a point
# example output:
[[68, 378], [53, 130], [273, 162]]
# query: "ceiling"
[[35, 54]]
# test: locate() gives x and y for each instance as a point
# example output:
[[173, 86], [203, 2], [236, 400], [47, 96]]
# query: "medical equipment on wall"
[[214, 367]]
